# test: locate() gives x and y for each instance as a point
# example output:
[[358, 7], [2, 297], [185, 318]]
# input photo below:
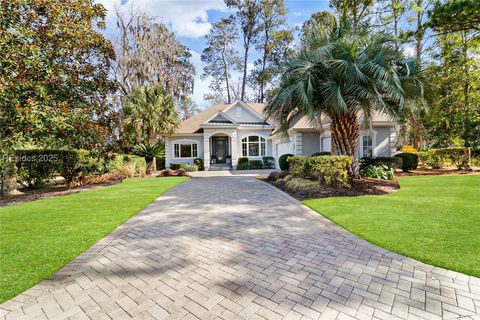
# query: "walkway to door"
[[237, 248]]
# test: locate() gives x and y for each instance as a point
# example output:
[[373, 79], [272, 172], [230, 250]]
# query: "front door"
[[220, 148]]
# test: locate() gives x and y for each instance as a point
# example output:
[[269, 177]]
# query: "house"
[[223, 133]]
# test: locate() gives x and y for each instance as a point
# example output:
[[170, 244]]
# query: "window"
[[367, 146], [185, 150], [253, 146]]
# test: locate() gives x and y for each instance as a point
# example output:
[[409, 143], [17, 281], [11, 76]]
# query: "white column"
[[206, 150], [234, 147]]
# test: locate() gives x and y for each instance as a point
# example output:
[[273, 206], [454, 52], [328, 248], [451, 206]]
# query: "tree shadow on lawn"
[[243, 239]]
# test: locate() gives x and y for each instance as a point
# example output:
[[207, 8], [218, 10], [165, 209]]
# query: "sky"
[[191, 20]]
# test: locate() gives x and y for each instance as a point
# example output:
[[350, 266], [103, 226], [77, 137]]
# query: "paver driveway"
[[237, 248]]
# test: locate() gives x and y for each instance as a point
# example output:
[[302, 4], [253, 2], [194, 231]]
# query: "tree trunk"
[[225, 67], [9, 178], [152, 139], [345, 131], [244, 78]]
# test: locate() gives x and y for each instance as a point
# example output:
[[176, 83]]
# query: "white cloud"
[[409, 51], [187, 18]]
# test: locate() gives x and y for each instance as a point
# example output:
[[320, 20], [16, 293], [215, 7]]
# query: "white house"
[[223, 133]]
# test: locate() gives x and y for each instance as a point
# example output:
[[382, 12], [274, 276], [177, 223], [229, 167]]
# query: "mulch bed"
[[27, 195], [359, 187]]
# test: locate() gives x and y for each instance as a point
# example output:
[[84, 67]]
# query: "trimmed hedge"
[[390, 162], [243, 163], [255, 164], [329, 170], [268, 162], [409, 161], [322, 153], [283, 163]]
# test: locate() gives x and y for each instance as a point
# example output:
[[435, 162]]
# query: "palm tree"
[[150, 152], [150, 112], [343, 74]]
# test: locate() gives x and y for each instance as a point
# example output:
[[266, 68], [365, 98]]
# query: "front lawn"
[[40, 237], [434, 219]]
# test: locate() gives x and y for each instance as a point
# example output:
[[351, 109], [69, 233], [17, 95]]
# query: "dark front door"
[[220, 148]]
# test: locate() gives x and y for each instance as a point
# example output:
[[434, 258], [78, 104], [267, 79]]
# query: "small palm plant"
[[150, 152]]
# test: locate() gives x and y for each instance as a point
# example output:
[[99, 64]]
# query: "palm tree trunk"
[[345, 131]]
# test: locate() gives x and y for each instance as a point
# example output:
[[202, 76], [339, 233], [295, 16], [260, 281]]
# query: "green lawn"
[[40, 237], [434, 219]]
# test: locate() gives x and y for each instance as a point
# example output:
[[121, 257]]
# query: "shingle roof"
[[193, 124]]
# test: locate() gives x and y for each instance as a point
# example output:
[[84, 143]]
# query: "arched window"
[[253, 146]]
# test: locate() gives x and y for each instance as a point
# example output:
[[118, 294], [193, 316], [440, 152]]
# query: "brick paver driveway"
[[236, 248]]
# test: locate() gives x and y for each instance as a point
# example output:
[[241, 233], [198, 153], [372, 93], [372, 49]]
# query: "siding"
[[382, 142], [170, 141]]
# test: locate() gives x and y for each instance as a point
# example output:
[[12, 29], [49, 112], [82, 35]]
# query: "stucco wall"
[[170, 141]]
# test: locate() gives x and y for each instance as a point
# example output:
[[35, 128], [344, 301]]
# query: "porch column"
[[234, 147], [206, 151]]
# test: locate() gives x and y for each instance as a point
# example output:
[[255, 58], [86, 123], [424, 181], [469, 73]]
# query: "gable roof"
[[194, 124]]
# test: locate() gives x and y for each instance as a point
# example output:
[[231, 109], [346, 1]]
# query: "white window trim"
[[373, 133], [180, 152], [259, 142]]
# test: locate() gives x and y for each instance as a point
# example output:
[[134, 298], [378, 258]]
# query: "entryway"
[[220, 150]]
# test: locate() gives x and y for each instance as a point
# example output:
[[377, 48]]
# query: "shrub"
[[377, 172], [255, 164], [268, 162], [120, 160], [409, 161], [283, 163], [199, 163], [127, 170], [38, 165], [174, 173], [185, 166], [390, 162], [299, 184], [323, 153], [409, 149], [455, 155], [274, 176], [243, 163], [329, 170]]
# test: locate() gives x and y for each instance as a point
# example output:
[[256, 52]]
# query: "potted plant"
[[228, 159], [213, 159]]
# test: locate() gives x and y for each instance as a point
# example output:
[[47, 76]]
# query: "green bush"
[[139, 163], [283, 163], [322, 153], [185, 166], [36, 166], [268, 162], [409, 160], [199, 163], [255, 164], [438, 157], [377, 172], [329, 170], [299, 184], [243, 163], [390, 162]]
